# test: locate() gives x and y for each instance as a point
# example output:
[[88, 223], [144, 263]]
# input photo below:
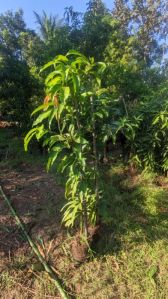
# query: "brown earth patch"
[[37, 198]]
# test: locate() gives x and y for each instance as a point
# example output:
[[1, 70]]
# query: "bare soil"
[[37, 198]]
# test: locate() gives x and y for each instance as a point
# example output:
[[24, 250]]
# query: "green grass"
[[132, 252]]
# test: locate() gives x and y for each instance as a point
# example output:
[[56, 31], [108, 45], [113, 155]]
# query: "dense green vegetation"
[[97, 85], [130, 39]]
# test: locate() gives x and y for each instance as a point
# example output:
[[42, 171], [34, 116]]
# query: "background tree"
[[17, 83], [147, 20], [95, 29], [74, 21], [54, 33]]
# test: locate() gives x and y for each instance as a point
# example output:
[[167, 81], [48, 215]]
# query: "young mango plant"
[[68, 122]]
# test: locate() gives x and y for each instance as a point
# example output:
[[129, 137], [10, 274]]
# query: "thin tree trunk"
[[84, 205], [85, 218], [95, 150]]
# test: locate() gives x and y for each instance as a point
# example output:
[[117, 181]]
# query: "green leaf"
[[87, 94], [52, 75], [71, 129], [102, 66], [56, 150], [54, 89], [76, 83], [100, 115], [76, 53], [98, 80], [40, 132], [81, 140], [53, 139], [60, 110], [65, 162], [51, 117], [28, 137], [61, 58], [41, 107], [54, 81], [81, 61], [66, 90], [41, 117], [47, 65]]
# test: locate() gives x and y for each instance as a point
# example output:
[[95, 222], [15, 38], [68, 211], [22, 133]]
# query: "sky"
[[49, 6]]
